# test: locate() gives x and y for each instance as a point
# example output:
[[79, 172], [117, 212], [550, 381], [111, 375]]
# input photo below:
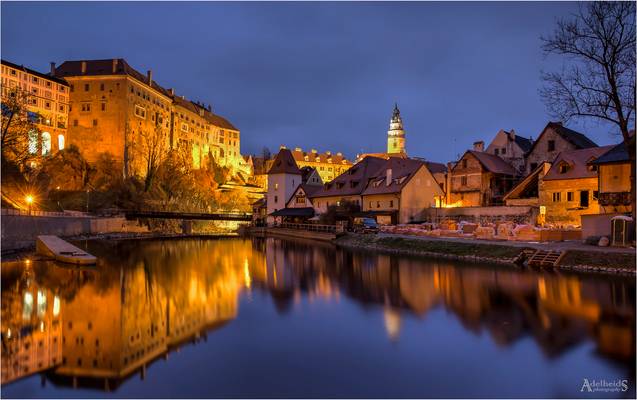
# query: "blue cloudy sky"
[[321, 75]]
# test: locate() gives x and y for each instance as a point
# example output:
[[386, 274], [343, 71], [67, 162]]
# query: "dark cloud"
[[321, 75]]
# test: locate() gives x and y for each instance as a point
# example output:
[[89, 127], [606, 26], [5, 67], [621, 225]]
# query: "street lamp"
[[29, 200]]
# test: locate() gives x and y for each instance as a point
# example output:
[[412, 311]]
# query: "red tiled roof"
[[337, 158], [284, 164], [493, 163], [214, 119], [577, 161], [402, 170], [353, 181]]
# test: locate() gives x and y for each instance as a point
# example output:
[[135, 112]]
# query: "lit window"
[[60, 142]]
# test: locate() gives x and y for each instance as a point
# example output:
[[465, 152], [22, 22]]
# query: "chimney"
[[314, 151], [171, 91], [298, 149], [115, 61], [512, 134], [52, 68], [83, 67], [209, 108], [389, 173], [149, 74], [201, 111], [478, 146], [329, 153]]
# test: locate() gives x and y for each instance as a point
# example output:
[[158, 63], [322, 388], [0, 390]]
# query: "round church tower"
[[396, 134]]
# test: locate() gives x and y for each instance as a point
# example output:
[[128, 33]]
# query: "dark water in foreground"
[[272, 318]]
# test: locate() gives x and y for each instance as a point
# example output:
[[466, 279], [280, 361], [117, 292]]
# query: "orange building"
[[48, 105]]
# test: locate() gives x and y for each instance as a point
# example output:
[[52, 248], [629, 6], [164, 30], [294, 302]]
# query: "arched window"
[[33, 142], [60, 142], [46, 143]]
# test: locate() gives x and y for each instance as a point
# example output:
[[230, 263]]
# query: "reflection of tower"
[[396, 134], [392, 323]]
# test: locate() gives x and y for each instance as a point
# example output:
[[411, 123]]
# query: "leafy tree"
[[599, 82], [18, 125]]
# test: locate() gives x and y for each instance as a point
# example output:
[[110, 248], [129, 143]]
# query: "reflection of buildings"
[[558, 311], [31, 326]]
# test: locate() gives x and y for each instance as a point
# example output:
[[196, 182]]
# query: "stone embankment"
[[580, 260]]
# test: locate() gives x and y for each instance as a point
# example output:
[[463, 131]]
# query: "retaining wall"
[[518, 214], [20, 231]]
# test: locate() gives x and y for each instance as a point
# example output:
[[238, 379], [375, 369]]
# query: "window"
[[74, 122], [72, 88], [556, 197], [504, 150], [370, 204], [94, 122], [276, 199], [583, 198], [564, 167], [391, 203], [102, 87], [300, 199], [140, 112], [103, 106], [464, 163], [497, 152], [60, 142], [86, 107], [463, 180], [378, 204], [551, 145], [569, 196], [46, 143], [276, 186], [87, 87]]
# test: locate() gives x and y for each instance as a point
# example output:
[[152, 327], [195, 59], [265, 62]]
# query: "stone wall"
[[20, 231], [517, 214]]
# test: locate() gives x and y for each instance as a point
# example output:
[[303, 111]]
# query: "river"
[[274, 318]]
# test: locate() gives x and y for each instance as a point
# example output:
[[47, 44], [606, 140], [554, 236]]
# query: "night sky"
[[321, 75]]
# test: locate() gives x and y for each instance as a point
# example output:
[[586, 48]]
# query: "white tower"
[[396, 134]]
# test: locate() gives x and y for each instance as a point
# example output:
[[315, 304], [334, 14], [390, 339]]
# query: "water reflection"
[[96, 327]]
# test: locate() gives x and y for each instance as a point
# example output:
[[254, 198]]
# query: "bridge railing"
[[38, 213], [308, 227]]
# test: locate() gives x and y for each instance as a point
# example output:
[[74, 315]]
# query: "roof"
[[34, 72], [294, 212], [436, 168], [577, 160], [617, 154], [354, 180], [579, 140], [402, 170], [530, 179], [338, 158], [524, 143], [213, 119], [493, 163], [284, 164], [306, 172], [310, 190], [105, 67]]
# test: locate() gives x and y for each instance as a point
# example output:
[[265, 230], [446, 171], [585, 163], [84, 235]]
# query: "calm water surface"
[[272, 318]]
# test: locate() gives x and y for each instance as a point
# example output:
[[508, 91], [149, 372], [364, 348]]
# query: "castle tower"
[[396, 134]]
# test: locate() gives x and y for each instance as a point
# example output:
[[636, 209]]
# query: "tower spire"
[[396, 134]]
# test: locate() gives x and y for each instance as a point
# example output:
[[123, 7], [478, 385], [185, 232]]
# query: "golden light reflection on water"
[[99, 326]]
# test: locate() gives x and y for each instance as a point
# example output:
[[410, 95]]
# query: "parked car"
[[365, 225]]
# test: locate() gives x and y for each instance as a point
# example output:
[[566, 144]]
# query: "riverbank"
[[504, 253], [29, 251]]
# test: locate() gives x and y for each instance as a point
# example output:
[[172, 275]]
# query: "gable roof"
[[579, 140], [284, 164], [402, 170], [338, 158], [492, 163], [577, 160], [436, 168], [524, 143], [354, 180], [530, 179], [34, 72], [105, 67], [617, 154]]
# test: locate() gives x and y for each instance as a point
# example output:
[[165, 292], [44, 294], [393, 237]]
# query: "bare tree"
[[599, 82], [153, 147], [18, 125]]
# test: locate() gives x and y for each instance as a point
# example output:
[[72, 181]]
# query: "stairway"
[[546, 258]]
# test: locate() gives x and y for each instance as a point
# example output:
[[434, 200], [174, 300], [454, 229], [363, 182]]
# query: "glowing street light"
[[29, 200]]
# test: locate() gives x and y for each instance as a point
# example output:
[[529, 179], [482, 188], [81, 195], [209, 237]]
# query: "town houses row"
[[562, 174], [106, 106]]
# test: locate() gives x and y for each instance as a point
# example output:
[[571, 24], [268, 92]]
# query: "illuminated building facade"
[[116, 109], [48, 105]]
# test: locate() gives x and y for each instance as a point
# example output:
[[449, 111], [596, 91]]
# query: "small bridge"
[[189, 216]]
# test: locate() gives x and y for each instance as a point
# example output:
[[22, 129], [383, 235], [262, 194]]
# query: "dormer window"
[[564, 168]]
